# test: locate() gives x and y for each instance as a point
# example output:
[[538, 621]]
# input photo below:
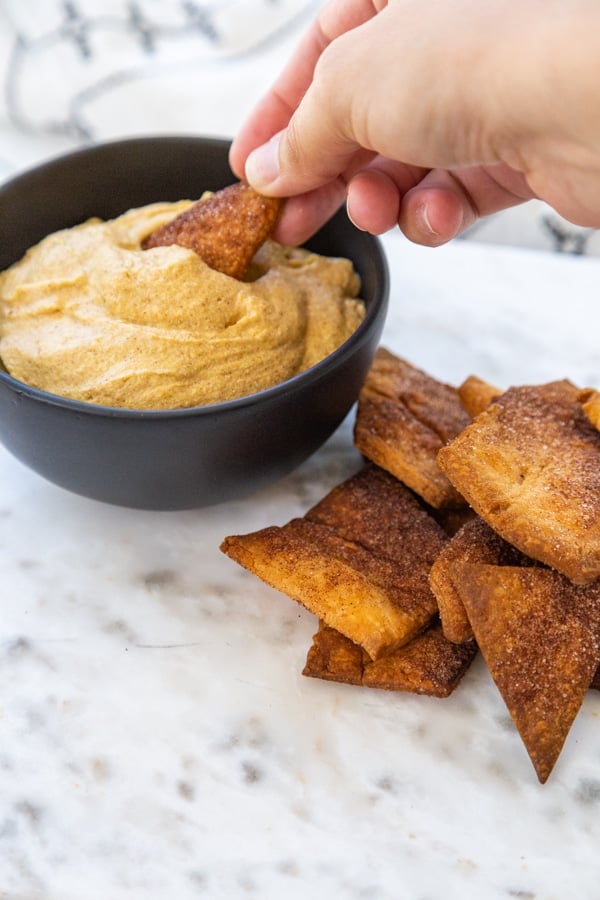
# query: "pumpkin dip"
[[88, 314]]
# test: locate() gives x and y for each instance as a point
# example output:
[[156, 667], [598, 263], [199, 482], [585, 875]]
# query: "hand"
[[429, 117]]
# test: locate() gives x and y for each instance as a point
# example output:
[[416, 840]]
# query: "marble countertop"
[[157, 737]]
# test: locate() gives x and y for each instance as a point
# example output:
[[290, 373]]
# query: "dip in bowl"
[[188, 456]]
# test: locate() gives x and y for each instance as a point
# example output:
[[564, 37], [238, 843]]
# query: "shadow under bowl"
[[180, 458]]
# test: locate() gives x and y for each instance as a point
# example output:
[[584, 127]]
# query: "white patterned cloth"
[[80, 71], [75, 71]]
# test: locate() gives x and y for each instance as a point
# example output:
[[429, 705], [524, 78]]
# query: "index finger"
[[273, 112]]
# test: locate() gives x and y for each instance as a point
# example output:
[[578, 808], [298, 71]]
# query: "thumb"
[[314, 149]]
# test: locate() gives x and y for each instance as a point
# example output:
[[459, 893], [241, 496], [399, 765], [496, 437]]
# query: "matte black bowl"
[[181, 458]]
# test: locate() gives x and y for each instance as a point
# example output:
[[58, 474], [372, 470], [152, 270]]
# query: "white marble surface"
[[157, 737]]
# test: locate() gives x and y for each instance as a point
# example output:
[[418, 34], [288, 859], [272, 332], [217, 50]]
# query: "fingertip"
[[236, 161], [262, 166], [431, 227], [433, 216], [373, 201]]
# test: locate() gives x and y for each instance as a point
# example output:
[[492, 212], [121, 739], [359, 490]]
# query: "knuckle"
[[294, 150]]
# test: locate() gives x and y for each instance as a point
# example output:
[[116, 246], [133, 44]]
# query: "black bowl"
[[181, 458]]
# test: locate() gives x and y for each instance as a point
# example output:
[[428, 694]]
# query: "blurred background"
[[81, 71]]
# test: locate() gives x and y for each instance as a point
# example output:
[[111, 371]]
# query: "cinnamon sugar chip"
[[429, 664], [590, 403], [503, 544], [334, 657], [474, 543], [375, 510], [530, 466], [404, 417], [540, 637], [225, 229], [359, 560], [476, 394]]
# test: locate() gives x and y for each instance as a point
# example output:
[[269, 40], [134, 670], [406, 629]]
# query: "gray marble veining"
[[157, 737]]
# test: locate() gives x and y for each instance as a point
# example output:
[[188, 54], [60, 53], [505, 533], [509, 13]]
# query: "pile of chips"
[[474, 524]]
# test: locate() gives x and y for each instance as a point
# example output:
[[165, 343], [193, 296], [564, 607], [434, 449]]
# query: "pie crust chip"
[[499, 551], [374, 509], [359, 560], [404, 417], [540, 637], [476, 394], [529, 465], [476, 542], [334, 657], [225, 229], [429, 664], [590, 403]]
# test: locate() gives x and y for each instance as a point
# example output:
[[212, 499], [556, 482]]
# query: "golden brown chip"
[[373, 509], [404, 417], [540, 637], [590, 403], [530, 466], [596, 680], [476, 395], [334, 657], [474, 543], [365, 579], [225, 229], [429, 664]]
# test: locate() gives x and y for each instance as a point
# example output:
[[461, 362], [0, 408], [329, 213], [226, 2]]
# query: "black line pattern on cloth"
[[144, 44], [548, 231], [566, 238]]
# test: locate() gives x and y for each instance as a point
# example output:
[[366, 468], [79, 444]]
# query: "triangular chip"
[[475, 394], [361, 576], [404, 417], [530, 466], [590, 403], [429, 664], [540, 637], [474, 543], [225, 229]]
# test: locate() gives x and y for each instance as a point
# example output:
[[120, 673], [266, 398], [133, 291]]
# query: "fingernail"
[[422, 214], [262, 165], [349, 214]]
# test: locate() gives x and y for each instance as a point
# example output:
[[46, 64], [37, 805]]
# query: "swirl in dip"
[[88, 314]]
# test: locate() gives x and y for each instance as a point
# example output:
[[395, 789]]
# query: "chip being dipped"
[[225, 229]]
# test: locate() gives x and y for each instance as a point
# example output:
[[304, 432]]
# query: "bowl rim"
[[314, 373]]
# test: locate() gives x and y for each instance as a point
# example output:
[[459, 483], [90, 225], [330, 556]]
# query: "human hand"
[[430, 120]]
